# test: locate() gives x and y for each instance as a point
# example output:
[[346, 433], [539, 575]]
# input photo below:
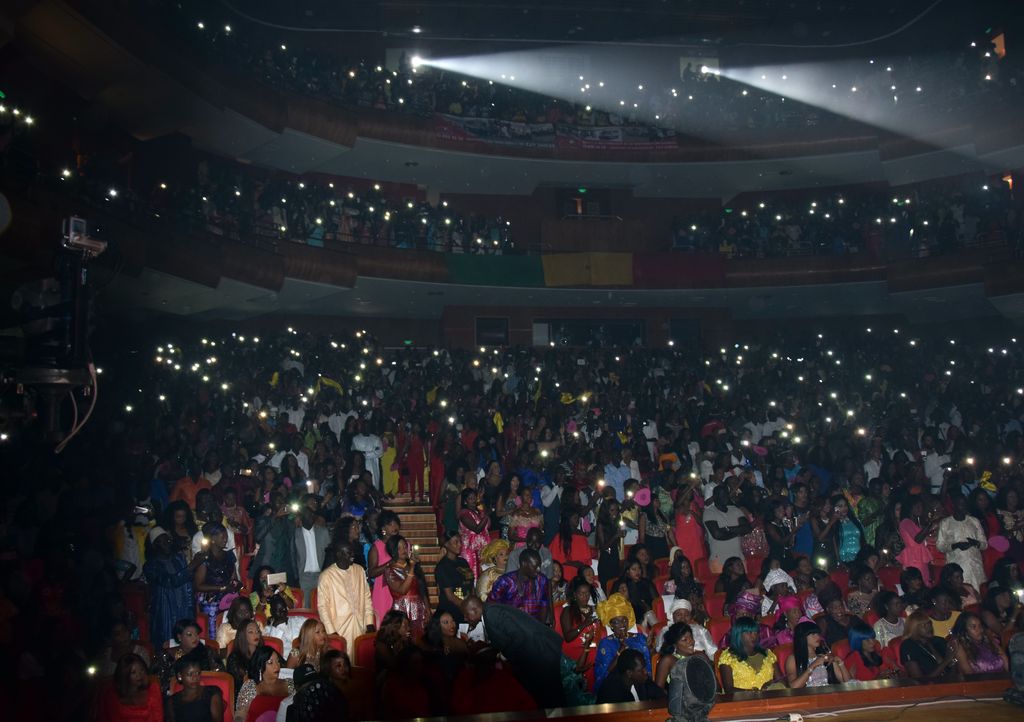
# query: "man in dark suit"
[[628, 681], [309, 550]]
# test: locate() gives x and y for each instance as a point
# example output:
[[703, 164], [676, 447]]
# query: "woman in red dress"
[[689, 530], [579, 627], [570, 547], [407, 585]]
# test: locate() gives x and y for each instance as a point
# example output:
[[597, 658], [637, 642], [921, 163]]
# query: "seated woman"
[[678, 644], [1002, 612], [189, 646], [640, 592], [974, 648], [312, 645], [195, 702], [132, 697], [859, 600], [733, 575], [393, 636], [889, 607], [681, 578], [239, 613], [777, 584], [812, 664], [915, 592], [744, 665], [616, 613], [942, 612], [790, 614], [119, 643], [961, 594], [824, 588], [262, 592], [493, 559], [835, 624], [263, 679], [578, 623], [865, 661], [557, 585], [681, 611], [922, 654], [247, 642], [324, 697]]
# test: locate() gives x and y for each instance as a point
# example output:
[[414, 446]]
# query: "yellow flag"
[[324, 381], [432, 396], [274, 379], [499, 422], [567, 398]]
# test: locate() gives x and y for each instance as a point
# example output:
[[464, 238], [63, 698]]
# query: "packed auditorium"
[[494, 363]]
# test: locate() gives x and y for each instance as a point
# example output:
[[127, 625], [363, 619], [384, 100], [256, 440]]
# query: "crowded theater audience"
[[789, 455], [693, 96]]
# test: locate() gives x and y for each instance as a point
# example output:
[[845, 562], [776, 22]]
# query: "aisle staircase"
[[419, 526]]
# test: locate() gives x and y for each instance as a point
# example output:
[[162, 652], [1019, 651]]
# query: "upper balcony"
[[237, 94]]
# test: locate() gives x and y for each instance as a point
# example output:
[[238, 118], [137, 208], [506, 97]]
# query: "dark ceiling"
[[785, 21]]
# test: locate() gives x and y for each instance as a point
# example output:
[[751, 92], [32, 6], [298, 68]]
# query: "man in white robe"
[[343, 599]]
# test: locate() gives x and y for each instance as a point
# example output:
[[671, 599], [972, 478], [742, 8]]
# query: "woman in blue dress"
[[617, 615], [170, 585]]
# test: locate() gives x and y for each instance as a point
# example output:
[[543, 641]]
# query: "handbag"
[[754, 544]]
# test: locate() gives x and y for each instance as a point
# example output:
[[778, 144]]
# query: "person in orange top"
[[186, 488], [570, 547]]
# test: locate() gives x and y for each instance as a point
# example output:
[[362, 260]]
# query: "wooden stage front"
[[881, 701]]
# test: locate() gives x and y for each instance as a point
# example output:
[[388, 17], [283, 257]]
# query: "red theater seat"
[[663, 566], [701, 570], [719, 627], [889, 577], [363, 653], [782, 653], [659, 609], [275, 643], [298, 596], [715, 604]]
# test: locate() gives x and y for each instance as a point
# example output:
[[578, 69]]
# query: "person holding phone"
[[812, 664]]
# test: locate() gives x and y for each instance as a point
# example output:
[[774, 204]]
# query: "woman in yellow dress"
[[389, 470], [743, 664], [496, 555]]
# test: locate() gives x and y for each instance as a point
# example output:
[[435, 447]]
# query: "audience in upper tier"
[[790, 456], [665, 96]]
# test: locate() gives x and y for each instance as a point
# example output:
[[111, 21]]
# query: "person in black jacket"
[[629, 681]]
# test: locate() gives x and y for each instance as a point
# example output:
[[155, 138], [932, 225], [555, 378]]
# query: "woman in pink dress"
[[524, 518], [914, 533], [473, 528], [378, 560]]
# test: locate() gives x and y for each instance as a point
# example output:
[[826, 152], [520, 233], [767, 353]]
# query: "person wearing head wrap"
[[682, 611], [170, 585], [747, 604], [616, 614], [493, 559], [776, 584], [789, 614]]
